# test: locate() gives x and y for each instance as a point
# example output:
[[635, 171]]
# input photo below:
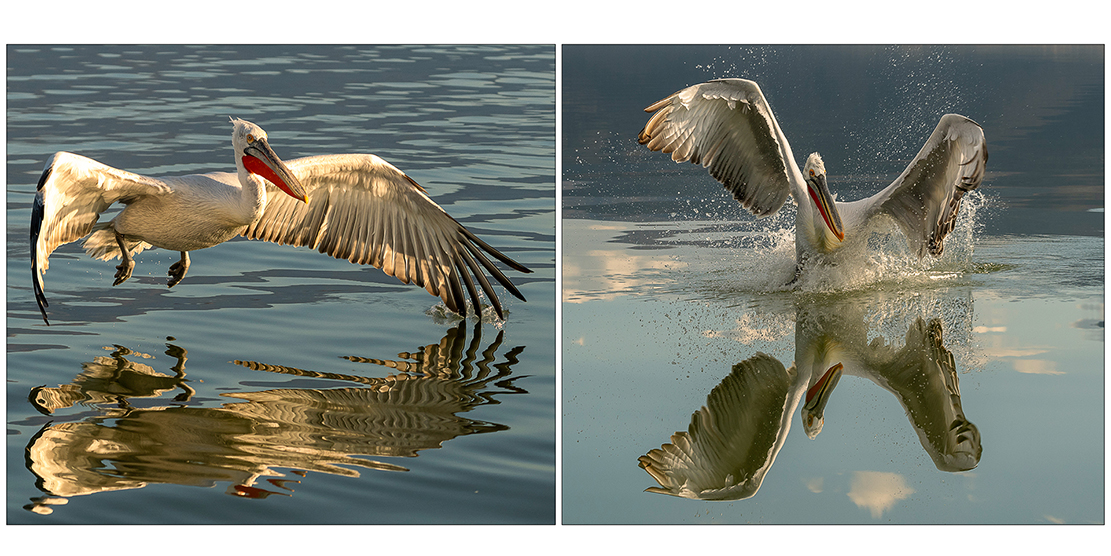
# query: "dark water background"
[[867, 109]]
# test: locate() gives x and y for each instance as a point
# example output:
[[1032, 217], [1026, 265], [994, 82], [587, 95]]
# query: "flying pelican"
[[727, 126], [351, 206]]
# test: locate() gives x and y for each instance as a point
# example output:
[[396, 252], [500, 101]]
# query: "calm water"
[[278, 385], [670, 293]]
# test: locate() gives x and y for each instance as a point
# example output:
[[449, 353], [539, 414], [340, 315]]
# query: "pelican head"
[[813, 411], [815, 174], [251, 147]]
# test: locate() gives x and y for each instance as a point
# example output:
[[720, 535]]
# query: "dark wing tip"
[[468, 235], [45, 176], [40, 297], [471, 256], [38, 211]]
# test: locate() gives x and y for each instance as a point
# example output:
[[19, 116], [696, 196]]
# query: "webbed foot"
[[127, 264], [178, 270], [123, 271]]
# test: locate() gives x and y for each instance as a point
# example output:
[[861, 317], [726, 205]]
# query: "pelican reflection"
[[337, 430], [115, 379], [733, 440]]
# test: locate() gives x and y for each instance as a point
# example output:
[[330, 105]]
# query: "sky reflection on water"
[[1026, 365]]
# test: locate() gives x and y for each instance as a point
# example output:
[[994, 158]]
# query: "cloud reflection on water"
[[878, 491]]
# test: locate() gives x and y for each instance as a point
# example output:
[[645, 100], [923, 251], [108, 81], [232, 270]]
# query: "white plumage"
[[727, 126], [350, 206]]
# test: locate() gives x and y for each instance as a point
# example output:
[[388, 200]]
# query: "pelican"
[[727, 126], [350, 206]]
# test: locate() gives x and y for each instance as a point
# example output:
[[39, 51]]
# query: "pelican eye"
[[811, 170], [251, 139]]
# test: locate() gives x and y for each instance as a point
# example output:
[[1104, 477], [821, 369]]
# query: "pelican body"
[[727, 126], [351, 206]]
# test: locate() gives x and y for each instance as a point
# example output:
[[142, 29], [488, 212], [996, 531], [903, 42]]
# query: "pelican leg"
[[127, 264], [800, 267], [798, 274], [178, 269]]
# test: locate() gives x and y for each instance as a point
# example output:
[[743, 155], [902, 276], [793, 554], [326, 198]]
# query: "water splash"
[[885, 261], [759, 257], [441, 315], [749, 62]]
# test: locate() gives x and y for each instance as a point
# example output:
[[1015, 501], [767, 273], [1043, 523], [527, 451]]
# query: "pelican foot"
[[123, 272], [794, 281], [178, 270]]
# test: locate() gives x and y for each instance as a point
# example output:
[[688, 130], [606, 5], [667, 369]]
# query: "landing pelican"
[[351, 206], [727, 126]]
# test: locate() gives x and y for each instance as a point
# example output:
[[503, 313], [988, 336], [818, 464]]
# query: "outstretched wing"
[[72, 192], [926, 198], [361, 208], [726, 126]]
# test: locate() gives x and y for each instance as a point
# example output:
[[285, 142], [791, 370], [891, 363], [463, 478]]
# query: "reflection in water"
[[878, 491], [329, 430], [114, 379], [733, 440]]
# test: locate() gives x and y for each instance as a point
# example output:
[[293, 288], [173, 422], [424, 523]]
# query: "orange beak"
[[819, 192], [259, 159], [818, 395]]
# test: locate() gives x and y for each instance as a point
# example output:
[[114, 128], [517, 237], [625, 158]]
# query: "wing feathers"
[[469, 254], [926, 198], [731, 441], [467, 281], [497, 254], [493, 270], [726, 126], [362, 209], [71, 194]]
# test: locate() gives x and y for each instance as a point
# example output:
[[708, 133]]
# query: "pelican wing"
[[72, 192], [732, 441], [926, 198], [726, 126], [360, 208]]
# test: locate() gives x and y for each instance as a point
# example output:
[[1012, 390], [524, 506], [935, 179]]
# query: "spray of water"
[[761, 258]]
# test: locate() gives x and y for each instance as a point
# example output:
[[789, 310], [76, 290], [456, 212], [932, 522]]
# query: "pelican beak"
[[816, 398], [818, 395], [824, 201], [259, 159]]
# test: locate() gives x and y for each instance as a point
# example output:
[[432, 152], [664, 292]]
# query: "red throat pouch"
[[259, 168]]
